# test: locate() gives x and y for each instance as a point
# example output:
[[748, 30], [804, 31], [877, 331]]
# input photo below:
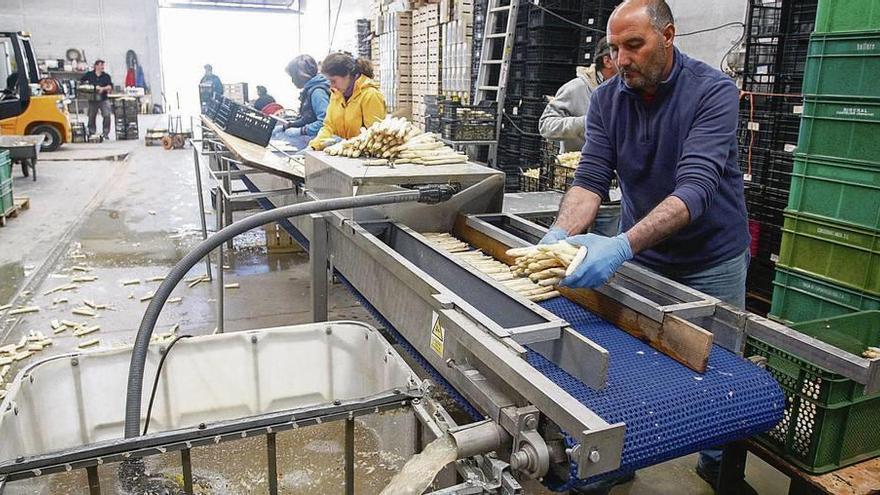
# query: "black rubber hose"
[[427, 194], [158, 376]]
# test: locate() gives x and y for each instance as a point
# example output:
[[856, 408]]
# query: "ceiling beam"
[[231, 6]]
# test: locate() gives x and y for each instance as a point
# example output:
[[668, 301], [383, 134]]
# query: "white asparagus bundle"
[[396, 140], [871, 353], [544, 265], [497, 270]]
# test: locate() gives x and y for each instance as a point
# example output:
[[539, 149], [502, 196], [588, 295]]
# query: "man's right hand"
[[554, 235]]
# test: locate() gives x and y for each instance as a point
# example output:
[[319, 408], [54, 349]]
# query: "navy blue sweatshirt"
[[682, 144]]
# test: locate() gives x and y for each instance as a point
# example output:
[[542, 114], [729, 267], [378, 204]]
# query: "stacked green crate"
[[829, 262], [5, 182]]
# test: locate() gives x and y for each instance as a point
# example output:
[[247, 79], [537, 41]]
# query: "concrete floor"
[[125, 212]]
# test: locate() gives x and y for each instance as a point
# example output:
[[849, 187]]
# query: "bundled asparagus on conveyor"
[[396, 140], [493, 268], [548, 264]]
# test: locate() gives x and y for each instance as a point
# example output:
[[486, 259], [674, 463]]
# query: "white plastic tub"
[[79, 399]]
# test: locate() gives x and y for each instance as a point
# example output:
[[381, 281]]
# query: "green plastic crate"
[[828, 422], [6, 202], [839, 253], [5, 166], [836, 190], [835, 16], [843, 65], [798, 297], [841, 129]]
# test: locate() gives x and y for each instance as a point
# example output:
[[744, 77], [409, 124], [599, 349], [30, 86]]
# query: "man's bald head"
[[641, 34], [658, 11]]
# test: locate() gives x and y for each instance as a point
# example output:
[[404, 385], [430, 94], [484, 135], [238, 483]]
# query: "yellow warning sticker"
[[437, 335]]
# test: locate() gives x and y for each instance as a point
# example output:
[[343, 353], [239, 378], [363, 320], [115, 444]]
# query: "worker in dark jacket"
[[263, 98], [314, 97], [210, 86], [100, 98], [667, 126]]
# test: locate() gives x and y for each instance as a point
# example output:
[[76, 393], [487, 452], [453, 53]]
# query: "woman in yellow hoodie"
[[355, 101]]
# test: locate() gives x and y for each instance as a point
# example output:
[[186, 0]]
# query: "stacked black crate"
[[480, 7], [776, 51], [594, 18], [125, 113], [364, 39], [543, 59]]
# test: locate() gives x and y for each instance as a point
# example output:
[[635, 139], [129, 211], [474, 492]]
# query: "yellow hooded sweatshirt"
[[345, 118]]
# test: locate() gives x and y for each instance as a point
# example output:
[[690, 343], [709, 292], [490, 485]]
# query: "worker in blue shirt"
[[666, 124], [314, 97]]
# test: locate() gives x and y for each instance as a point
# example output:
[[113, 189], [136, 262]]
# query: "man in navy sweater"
[[667, 125]]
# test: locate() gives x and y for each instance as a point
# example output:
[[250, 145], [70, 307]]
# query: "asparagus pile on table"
[[396, 140]]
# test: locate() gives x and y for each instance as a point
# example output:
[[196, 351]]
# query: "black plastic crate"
[[532, 107], [250, 125], [542, 19], [531, 145], [468, 131], [531, 184], [538, 89], [564, 5], [759, 280], [559, 178], [515, 89], [552, 54], [799, 17], [530, 124], [550, 72], [551, 37], [517, 71]]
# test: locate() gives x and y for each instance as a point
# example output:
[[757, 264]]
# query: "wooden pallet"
[[18, 204]]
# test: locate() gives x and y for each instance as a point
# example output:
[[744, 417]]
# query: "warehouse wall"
[[316, 28], [102, 28], [693, 15]]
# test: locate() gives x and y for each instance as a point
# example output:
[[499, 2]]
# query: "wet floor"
[[93, 255]]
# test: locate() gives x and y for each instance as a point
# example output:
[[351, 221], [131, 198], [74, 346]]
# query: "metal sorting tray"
[[71, 406]]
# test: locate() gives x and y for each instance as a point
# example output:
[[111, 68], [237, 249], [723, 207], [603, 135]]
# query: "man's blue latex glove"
[[293, 131], [554, 235], [604, 257], [278, 129]]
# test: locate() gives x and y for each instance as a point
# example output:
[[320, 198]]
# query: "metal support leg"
[[273, 463], [186, 465], [201, 208], [733, 469], [227, 204], [318, 265], [220, 262], [349, 457], [94, 482]]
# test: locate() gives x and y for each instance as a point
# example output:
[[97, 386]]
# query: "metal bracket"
[[530, 454]]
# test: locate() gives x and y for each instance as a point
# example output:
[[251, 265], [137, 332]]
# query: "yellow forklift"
[[29, 104]]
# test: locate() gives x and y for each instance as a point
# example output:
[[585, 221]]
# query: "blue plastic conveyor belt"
[[669, 410]]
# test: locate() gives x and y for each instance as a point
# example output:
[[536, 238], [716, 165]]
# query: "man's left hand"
[[604, 256]]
